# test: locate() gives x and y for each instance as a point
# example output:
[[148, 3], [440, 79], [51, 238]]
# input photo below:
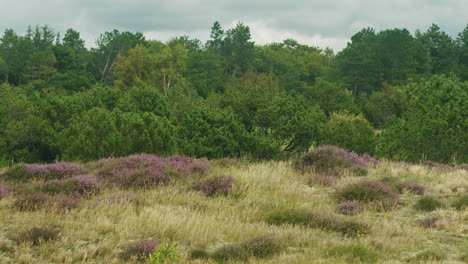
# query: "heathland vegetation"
[[227, 151], [389, 93], [327, 206]]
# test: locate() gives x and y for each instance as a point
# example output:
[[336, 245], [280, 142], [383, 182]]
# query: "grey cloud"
[[331, 19]]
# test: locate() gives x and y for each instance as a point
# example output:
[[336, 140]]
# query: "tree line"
[[389, 93]]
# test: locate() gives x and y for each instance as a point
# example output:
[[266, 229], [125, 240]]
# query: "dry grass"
[[98, 232]]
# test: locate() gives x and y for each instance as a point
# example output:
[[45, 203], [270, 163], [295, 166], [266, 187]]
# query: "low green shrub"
[[198, 254], [322, 221], [461, 202], [259, 247], [368, 191], [164, 253], [428, 204]]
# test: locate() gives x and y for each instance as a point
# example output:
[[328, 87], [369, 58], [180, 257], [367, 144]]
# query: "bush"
[[433, 126], [369, 191], [461, 202], [51, 171], [30, 202], [412, 187], [3, 192], [164, 253], [354, 253], [428, 222], [144, 171], [331, 159], [63, 202], [351, 132], [198, 254], [37, 235], [259, 247], [82, 185], [320, 221], [219, 185], [428, 203], [349, 207], [140, 250]]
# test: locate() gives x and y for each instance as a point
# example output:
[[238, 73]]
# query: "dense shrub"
[[369, 191], [357, 253], [428, 222], [219, 185], [62, 202], [140, 250], [330, 159], [433, 126], [412, 187], [165, 253], [428, 203], [82, 184], [461, 203], [3, 192], [51, 171], [31, 201], [198, 254], [258, 247], [318, 220], [351, 132], [138, 171], [211, 133], [37, 235], [349, 207]]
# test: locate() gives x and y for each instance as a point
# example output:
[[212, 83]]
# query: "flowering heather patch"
[[413, 187], [258, 247], [219, 185], [51, 171], [63, 202], [322, 221], [349, 207], [369, 191], [139, 171], [3, 192], [141, 250], [330, 159], [436, 164], [428, 222], [29, 202], [81, 184]]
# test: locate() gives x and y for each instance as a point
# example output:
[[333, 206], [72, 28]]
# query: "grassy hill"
[[265, 212]]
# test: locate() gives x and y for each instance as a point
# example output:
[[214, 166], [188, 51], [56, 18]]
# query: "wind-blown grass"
[[105, 224]]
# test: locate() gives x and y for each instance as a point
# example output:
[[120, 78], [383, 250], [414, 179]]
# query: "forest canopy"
[[389, 93]]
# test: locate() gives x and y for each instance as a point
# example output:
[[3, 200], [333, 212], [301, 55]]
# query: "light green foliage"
[[349, 131], [165, 253]]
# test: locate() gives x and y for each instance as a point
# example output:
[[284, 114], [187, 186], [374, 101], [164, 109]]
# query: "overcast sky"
[[322, 23]]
